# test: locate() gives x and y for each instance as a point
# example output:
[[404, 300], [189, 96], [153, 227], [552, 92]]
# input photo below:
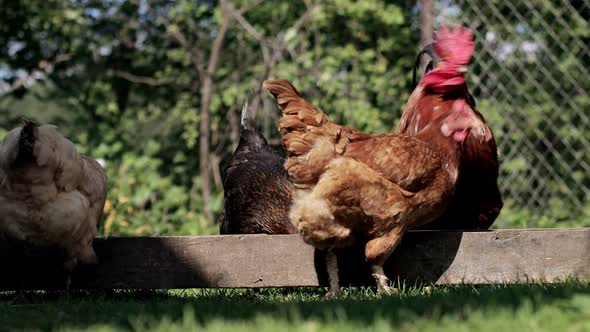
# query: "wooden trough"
[[492, 257]]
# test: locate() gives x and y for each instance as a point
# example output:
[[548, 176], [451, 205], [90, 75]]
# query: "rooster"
[[51, 196], [477, 201], [354, 186], [257, 190]]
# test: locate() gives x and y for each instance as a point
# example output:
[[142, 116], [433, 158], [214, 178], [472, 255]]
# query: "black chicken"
[[257, 190]]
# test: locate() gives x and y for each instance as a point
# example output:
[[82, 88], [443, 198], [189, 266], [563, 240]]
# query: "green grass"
[[560, 307]]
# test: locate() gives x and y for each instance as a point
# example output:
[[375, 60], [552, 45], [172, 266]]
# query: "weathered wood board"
[[506, 256]]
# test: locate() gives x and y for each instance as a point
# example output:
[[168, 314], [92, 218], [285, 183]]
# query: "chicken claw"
[[382, 281]]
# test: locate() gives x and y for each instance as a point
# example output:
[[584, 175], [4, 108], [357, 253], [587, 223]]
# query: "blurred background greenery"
[[153, 89]]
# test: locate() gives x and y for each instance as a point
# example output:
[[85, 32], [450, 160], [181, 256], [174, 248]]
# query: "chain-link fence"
[[530, 76]]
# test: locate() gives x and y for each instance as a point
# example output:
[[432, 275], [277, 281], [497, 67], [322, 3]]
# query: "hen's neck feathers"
[[449, 148]]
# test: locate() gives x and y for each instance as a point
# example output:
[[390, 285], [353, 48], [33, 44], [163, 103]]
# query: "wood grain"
[[506, 256]]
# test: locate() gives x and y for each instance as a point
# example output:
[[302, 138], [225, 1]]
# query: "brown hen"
[[352, 186]]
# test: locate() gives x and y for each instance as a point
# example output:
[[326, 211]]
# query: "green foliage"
[[143, 202]]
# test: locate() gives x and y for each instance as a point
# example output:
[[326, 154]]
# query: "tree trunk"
[[426, 22], [206, 93]]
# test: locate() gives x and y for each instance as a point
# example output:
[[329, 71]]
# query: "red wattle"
[[461, 135], [442, 81]]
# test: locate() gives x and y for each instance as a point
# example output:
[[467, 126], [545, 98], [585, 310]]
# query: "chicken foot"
[[377, 251], [382, 281]]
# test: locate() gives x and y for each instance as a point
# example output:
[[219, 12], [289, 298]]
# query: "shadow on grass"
[[121, 309]]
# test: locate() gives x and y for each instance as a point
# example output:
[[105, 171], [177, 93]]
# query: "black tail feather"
[[429, 50], [247, 119], [249, 134]]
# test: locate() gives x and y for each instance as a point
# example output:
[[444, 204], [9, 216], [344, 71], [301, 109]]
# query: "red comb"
[[454, 46]]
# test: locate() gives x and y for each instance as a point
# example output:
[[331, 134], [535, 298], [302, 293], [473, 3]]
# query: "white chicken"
[[50, 195]]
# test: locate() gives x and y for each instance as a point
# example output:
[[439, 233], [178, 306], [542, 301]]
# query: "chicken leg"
[[69, 267], [377, 251], [332, 267]]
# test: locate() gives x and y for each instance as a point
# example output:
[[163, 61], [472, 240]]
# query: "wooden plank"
[[505, 256]]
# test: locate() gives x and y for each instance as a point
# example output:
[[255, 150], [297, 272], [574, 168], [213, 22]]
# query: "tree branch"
[[281, 44], [277, 45], [137, 79], [249, 6], [250, 29], [247, 26], [214, 57], [207, 87], [43, 70], [197, 55]]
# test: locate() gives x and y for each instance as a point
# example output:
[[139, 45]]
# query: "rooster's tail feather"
[[434, 60]]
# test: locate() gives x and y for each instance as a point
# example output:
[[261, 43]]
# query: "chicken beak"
[[462, 69]]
